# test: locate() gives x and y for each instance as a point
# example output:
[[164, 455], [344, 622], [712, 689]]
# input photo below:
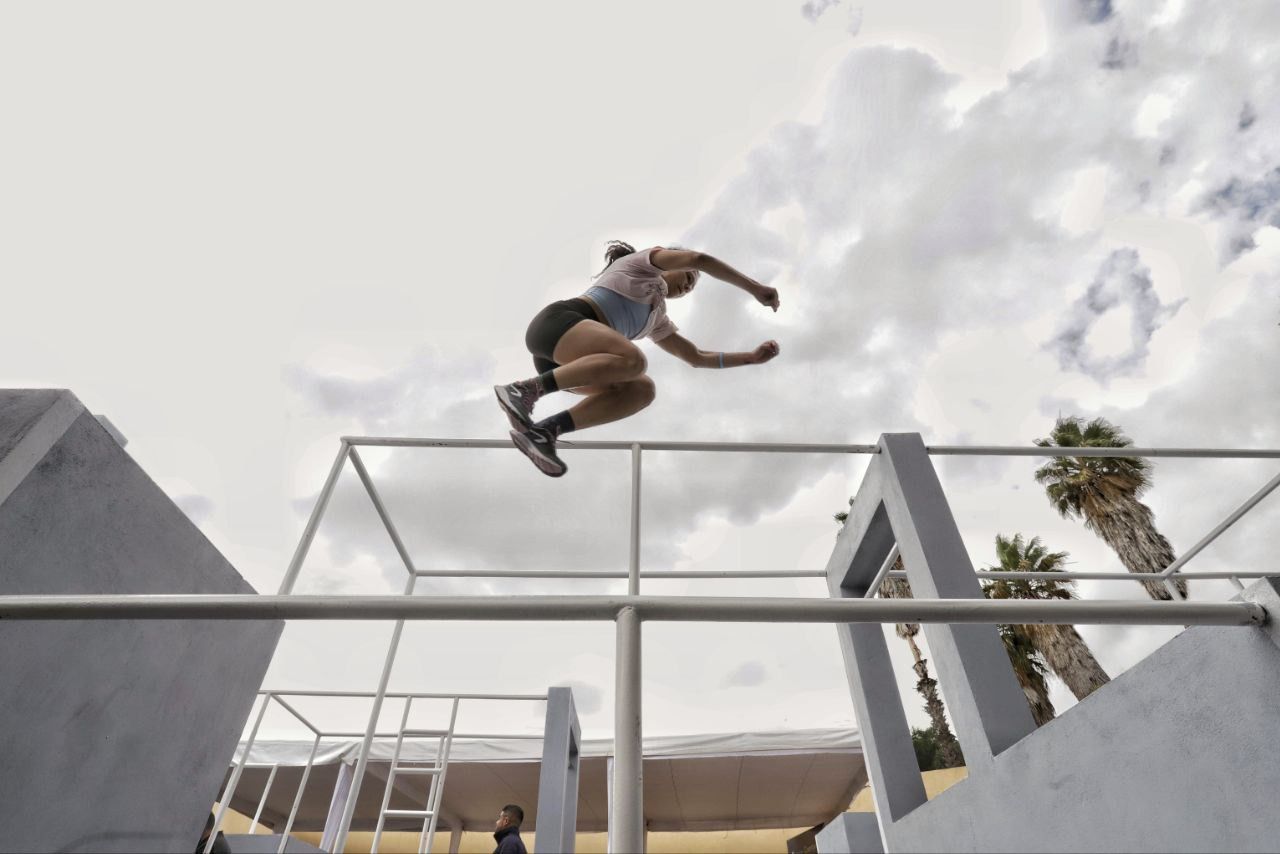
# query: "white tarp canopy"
[[732, 781]]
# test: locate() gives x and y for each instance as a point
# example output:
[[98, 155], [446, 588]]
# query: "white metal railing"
[[628, 612], [368, 734]]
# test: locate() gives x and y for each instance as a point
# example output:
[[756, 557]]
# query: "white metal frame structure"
[[436, 771], [628, 612]]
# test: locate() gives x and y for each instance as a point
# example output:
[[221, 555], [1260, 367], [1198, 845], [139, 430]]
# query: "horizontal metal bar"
[[410, 771], [820, 448], [1104, 576], [1058, 451], [403, 695], [395, 734], [407, 813], [606, 608], [810, 574], [619, 573], [730, 447]]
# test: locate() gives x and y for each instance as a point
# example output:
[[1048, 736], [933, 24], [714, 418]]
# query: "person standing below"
[[507, 831], [584, 345]]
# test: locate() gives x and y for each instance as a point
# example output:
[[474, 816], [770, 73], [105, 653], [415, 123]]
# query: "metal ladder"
[[436, 772]]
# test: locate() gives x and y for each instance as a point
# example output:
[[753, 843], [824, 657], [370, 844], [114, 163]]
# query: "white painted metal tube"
[[340, 843], [830, 448], [302, 787], [884, 572], [628, 767], [230, 791], [402, 694], [602, 608], [619, 574], [262, 802], [633, 572], [730, 447], [1222, 526], [382, 511], [309, 533], [306, 723], [1057, 451]]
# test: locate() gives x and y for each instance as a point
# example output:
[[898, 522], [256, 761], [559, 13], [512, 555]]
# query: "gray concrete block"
[[115, 735], [851, 833], [262, 843], [1175, 754]]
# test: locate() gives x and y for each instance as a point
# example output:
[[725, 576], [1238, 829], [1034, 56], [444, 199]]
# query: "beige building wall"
[[710, 842]]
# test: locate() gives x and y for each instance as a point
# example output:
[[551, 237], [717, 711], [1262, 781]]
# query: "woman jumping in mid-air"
[[584, 345]]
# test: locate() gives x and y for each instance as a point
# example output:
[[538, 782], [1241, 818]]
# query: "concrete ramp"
[[114, 735]]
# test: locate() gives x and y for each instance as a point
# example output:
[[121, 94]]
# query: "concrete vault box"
[[114, 734]]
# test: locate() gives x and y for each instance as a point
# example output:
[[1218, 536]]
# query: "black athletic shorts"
[[550, 325]]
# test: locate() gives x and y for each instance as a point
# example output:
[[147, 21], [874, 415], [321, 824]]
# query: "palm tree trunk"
[[948, 747], [1069, 656], [1129, 528]]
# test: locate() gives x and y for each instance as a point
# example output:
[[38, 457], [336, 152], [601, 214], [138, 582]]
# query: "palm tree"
[[1104, 492], [948, 749], [1029, 669], [1061, 647]]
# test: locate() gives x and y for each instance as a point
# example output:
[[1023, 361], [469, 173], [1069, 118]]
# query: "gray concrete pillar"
[[861, 548], [455, 839], [79, 515], [851, 833], [986, 703], [557, 820]]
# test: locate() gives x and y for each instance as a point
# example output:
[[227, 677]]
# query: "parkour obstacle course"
[[1109, 774]]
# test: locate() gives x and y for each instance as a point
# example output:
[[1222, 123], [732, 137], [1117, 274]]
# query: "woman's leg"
[[592, 354], [611, 402]]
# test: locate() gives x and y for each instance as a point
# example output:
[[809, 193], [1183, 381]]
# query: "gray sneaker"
[[517, 404], [540, 447]]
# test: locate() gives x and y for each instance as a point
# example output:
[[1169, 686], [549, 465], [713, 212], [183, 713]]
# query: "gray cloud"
[[815, 9], [1122, 281], [1120, 54], [1095, 11], [745, 675], [1246, 205]]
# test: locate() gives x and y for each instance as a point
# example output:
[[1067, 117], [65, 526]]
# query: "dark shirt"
[[509, 841]]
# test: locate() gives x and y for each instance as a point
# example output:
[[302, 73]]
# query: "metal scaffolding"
[[630, 611]]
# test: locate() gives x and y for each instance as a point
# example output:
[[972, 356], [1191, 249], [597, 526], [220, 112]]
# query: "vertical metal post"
[[262, 802], [235, 776], [628, 769], [309, 533], [633, 574], [340, 843], [297, 799]]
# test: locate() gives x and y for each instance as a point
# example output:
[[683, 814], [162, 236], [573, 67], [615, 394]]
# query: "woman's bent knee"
[[634, 361], [644, 389]]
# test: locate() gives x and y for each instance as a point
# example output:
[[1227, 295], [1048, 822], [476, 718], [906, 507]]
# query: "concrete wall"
[[114, 736], [1176, 754]]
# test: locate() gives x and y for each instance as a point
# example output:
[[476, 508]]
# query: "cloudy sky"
[[242, 231]]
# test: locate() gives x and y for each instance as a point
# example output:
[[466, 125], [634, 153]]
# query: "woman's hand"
[[764, 352], [767, 296]]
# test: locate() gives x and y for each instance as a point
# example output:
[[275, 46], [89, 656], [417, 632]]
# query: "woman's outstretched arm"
[[685, 350], [688, 259]]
